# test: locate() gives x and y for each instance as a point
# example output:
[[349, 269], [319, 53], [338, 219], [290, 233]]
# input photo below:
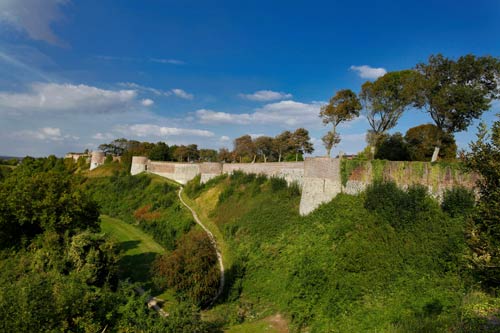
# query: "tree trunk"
[[296, 156], [279, 157], [435, 155], [328, 151], [254, 158], [265, 158]]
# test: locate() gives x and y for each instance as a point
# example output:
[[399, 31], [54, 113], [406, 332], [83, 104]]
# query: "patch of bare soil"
[[278, 322]]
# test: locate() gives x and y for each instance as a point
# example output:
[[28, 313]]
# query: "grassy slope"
[[139, 249], [341, 269]]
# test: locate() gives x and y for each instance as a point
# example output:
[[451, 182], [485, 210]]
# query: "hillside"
[[385, 261]]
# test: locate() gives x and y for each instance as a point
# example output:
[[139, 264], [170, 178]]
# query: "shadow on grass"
[[137, 267]]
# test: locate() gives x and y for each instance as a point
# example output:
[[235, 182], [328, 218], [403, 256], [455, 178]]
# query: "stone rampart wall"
[[321, 178], [290, 171], [436, 177]]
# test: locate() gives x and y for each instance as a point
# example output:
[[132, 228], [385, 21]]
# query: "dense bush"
[[191, 270], [458, 201]]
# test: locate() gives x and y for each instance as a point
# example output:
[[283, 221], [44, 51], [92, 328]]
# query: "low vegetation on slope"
[[147, 201], [387, 260]]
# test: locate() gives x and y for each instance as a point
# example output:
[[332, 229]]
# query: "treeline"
[[58, 271], [287, 146], [453, 92]]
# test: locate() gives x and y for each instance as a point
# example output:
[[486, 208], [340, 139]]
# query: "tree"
[[116, 147], [301, 142], [160, 152], [264, 146], [484, 229], [224, 155], [245, 148], [191, 269], [330, 140], [422, 139], [392, 148], [385, 100], [208, 155], [282, 144], [342, 107], [454, 93]]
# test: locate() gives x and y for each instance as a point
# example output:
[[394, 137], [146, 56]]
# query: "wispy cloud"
[[266, 96], [147, 102], [166, 61], [149, 130], [289, 113], [367, 72], [44, 134], [67, 98], [182, 93], [177, 92], [34, 17]]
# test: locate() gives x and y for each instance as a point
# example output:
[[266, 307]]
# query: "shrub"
[[458, 201]]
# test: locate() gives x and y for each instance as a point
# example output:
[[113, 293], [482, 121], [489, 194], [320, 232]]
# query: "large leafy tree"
[[342, 107], [244, 148], [159, 152], [385, 100], [422, 139], [264, 147], [301, 142], [454, 93], [282, 144], [484, 231]]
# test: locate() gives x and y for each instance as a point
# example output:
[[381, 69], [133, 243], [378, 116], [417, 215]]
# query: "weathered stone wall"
[[138, 164], [321, 183], [290, 171], [321, 178], [436, 177], [180, 172]]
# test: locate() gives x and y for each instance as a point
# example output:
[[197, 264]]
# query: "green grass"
[[253, 327], [343, 268], [139, 249]]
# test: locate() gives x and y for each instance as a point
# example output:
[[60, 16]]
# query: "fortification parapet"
[[97, 159], [209, 170], [139, 164], [321, 182]]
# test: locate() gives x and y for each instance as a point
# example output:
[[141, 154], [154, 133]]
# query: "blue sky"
[[74, 74]]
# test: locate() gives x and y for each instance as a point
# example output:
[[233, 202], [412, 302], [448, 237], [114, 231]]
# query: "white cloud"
[[141, 88], [367, 72], [150, 130], [102, 136], [288, 113], [147, 102], [45, 134], [35, 17], [68, 97], [168, 61], [182, 94], [224, 138], [266, 96]]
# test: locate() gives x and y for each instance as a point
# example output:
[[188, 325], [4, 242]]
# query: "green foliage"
[[392, 148], [34, 202], [149, 201], [191, 270], [348, 166], [484, 229], [343, 268], [458, 201], [422, 140], [455, 92]]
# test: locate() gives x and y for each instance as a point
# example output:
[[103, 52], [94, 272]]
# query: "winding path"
[[214, 243]]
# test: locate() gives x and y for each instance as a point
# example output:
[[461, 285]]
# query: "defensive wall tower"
[[97, 159], [139, 164]]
